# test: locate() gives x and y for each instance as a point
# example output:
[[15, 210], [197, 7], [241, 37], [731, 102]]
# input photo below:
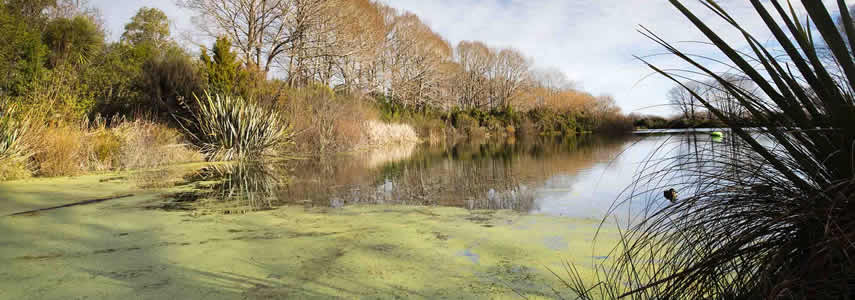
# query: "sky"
[[594, 42]]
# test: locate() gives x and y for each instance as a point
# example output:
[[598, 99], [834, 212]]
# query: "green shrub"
[[13, 169], [462, 121], [168, 77]]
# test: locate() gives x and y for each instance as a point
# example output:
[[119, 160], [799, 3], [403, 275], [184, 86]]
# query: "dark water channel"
[[576, 177]]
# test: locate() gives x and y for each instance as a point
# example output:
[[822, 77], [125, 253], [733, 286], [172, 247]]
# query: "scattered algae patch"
[[120, 249]]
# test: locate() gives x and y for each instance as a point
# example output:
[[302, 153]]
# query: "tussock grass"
[[64, 149], [147, 144], [61, 151], [771, 215]]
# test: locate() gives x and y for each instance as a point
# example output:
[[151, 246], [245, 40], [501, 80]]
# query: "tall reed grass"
[[773, 216]]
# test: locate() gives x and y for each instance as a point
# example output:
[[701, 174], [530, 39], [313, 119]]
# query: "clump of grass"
[[103, 147], [771, 215], [379, 133], [60, 151], [146, 144], [65, 149], [231, 128]]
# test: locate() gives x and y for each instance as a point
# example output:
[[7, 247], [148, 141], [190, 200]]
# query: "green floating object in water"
[[717, 134]]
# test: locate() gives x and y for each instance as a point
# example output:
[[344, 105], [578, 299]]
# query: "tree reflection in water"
[[492, 176]]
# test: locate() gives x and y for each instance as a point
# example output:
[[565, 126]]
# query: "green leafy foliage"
[[149, 26], [22, 53], [224, 71], [169, 78], [74, 40], [114, 79]]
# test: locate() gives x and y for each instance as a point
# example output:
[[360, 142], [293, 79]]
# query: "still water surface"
[[579, 177]]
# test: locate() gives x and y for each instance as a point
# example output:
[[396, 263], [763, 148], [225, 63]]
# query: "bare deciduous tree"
[[512, 72], [264, 30], [682, 101]]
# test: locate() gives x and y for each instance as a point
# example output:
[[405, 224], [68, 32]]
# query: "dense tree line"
[[54, 53], [366, 47], [56, 60]]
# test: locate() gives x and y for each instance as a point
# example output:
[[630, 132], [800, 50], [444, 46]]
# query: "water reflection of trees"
[[475, 176], [502, 175]]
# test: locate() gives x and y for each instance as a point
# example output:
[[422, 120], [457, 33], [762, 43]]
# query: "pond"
[[579, 177], [473, 220]]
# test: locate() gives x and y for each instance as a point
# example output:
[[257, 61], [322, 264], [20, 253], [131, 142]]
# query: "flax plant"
[[773, 215], [231, 128], [12, 132]]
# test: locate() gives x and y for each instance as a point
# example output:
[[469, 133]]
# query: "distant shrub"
[[327, 122], [166, 79], [550, 122], [494, 125], [615, 125], [321, 119], [465, 123]]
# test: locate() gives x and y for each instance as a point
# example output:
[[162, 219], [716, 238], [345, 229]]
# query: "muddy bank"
[[122, 248]]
